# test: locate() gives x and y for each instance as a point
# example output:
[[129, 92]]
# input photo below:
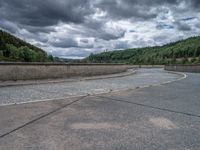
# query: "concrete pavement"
[[160, 117]]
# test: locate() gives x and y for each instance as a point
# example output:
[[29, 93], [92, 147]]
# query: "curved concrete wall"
[[27, 71], [183, 68]]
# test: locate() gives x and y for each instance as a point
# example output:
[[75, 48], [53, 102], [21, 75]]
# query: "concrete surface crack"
[[41, 117], [149, 106]]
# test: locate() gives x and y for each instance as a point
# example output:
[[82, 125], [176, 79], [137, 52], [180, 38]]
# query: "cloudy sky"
[[75, 28]]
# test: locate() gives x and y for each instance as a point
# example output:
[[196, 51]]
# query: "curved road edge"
[[183, 76]]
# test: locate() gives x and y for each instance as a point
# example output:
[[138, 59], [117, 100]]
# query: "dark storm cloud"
[[105, 35], [98, 29], [88, 46], [161, 26], [121, 45], [188, 19], [160, 38], [65, 43], [9, 26], [195, 4], [44, 12], [197, 25], [36, 29], [37, 13], [182, 26], [110, 36], [71, 53], [125, 9], [34, 15], [84, 40], [42, 21], [70, 43]]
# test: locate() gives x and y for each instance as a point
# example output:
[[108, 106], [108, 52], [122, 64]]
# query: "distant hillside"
[[180, 52], [15, 49], [66, 60]]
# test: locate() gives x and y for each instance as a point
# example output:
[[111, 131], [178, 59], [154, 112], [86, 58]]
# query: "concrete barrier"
[[184, 68], [150, 66], [28, 71]]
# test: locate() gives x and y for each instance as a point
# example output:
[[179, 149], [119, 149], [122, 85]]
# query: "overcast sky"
[[75, 28]]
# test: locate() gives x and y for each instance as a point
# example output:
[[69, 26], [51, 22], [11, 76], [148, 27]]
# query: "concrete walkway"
[[160, 117]]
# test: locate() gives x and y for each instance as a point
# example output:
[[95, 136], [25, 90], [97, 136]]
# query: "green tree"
[[184, 60], [14, 52], [173, 60], [1, 53], [15, 49], [27, 55], [50, 58], [41, 57], [193, 60], [6, 52]]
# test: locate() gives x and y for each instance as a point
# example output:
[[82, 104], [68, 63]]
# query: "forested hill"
[[181, 52], [15, 49]]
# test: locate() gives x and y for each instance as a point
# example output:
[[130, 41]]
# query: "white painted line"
[[152, 85], [179, 73], [44, 100]]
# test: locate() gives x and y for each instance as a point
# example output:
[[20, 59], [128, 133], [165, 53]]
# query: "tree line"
[[181, 52], [15, 49]]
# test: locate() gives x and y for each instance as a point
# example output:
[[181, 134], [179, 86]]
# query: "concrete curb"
[[24, 83], [151, 85]]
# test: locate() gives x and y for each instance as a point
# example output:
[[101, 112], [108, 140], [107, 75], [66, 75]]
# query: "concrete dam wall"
[[28, 71], [184, 68]]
